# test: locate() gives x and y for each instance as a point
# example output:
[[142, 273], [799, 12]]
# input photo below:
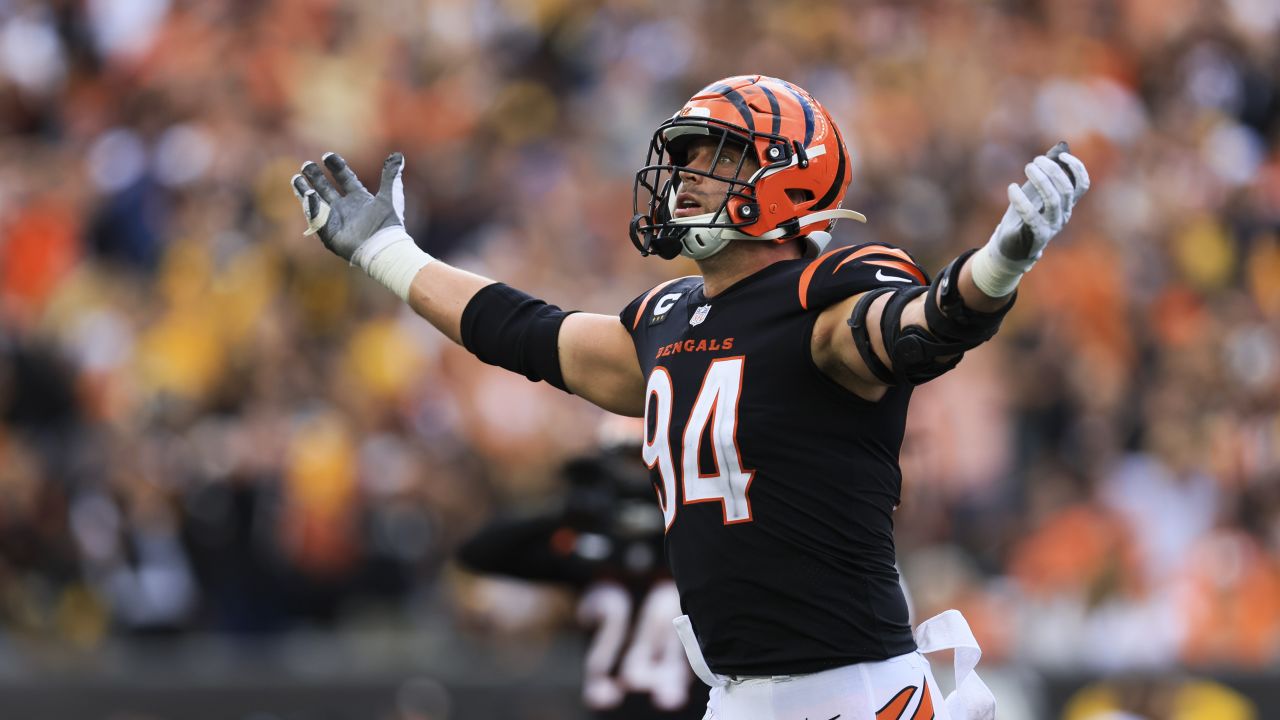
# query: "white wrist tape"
[[392, 258], [994, 274]]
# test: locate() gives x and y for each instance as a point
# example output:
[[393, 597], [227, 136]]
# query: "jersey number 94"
[[717, 405]]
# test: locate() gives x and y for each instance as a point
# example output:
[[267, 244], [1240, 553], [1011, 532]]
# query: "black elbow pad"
[[947, 315], [916, 354], [922, 353]]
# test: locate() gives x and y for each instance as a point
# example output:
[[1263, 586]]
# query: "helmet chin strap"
[[703, 242]]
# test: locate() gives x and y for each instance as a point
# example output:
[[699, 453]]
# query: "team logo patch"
[[699, 315]]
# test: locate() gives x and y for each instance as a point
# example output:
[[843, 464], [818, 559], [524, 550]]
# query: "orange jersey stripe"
[[874, 250], [905, 267], [807, 276], [645, 303], [925, 711], [897, 707]]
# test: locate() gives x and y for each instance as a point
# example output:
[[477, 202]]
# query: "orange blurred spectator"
[[1230, 595]]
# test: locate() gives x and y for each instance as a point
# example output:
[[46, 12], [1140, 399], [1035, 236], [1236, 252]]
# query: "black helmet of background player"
[[610, 495], [611, 492], [611, 506], [804, 171]]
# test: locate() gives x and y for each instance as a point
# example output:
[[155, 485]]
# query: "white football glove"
[[1057, 180], [364, 229]]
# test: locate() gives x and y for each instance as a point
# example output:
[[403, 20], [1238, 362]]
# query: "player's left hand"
[[1058, 180], [1026, 228]]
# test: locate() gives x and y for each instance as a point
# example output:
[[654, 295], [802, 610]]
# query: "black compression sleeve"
[[511, 329]]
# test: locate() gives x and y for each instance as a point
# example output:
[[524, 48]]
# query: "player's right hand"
[[345, 219]]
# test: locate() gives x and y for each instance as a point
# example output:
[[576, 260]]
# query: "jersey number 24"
[[653, 661], [716, 404]]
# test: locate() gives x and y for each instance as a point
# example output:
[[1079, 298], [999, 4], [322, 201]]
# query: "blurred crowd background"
[[211, 426]]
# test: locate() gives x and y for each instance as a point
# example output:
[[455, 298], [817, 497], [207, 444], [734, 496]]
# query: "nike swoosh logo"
[[890, 278]]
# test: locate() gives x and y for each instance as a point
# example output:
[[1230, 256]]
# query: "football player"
[[606, 544], [774, 387]]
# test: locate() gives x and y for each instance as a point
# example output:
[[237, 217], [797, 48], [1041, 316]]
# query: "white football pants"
[[900, 688]]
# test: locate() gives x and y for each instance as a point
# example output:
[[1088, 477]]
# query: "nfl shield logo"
[[699, 315]]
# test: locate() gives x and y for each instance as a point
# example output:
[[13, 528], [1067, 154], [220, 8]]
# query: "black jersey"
[[777, 484], [608, 549]]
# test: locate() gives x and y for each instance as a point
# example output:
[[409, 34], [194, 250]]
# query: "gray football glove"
[[345, 220], [1037, 212], [1041, 207]]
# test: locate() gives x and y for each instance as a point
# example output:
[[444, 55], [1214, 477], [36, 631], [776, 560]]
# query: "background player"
[[801, 449], [606, 545]]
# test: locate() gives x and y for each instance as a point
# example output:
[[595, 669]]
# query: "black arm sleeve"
[[506, 327]]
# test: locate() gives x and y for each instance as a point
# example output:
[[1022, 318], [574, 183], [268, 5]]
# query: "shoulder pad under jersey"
[[848, 271], [634, 312]]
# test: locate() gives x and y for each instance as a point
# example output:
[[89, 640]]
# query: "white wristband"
[[392, 258], [994, 274]]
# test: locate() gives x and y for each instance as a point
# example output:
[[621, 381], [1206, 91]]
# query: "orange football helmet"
[[804, 171]]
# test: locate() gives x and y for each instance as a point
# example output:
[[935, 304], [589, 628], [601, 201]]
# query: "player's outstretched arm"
[[589, 355], [911, 335], [525, 549]]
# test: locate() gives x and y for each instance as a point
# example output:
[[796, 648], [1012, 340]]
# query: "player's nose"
[[690, 171]]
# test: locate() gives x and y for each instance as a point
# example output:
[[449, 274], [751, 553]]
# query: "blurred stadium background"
[[233, 472]]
